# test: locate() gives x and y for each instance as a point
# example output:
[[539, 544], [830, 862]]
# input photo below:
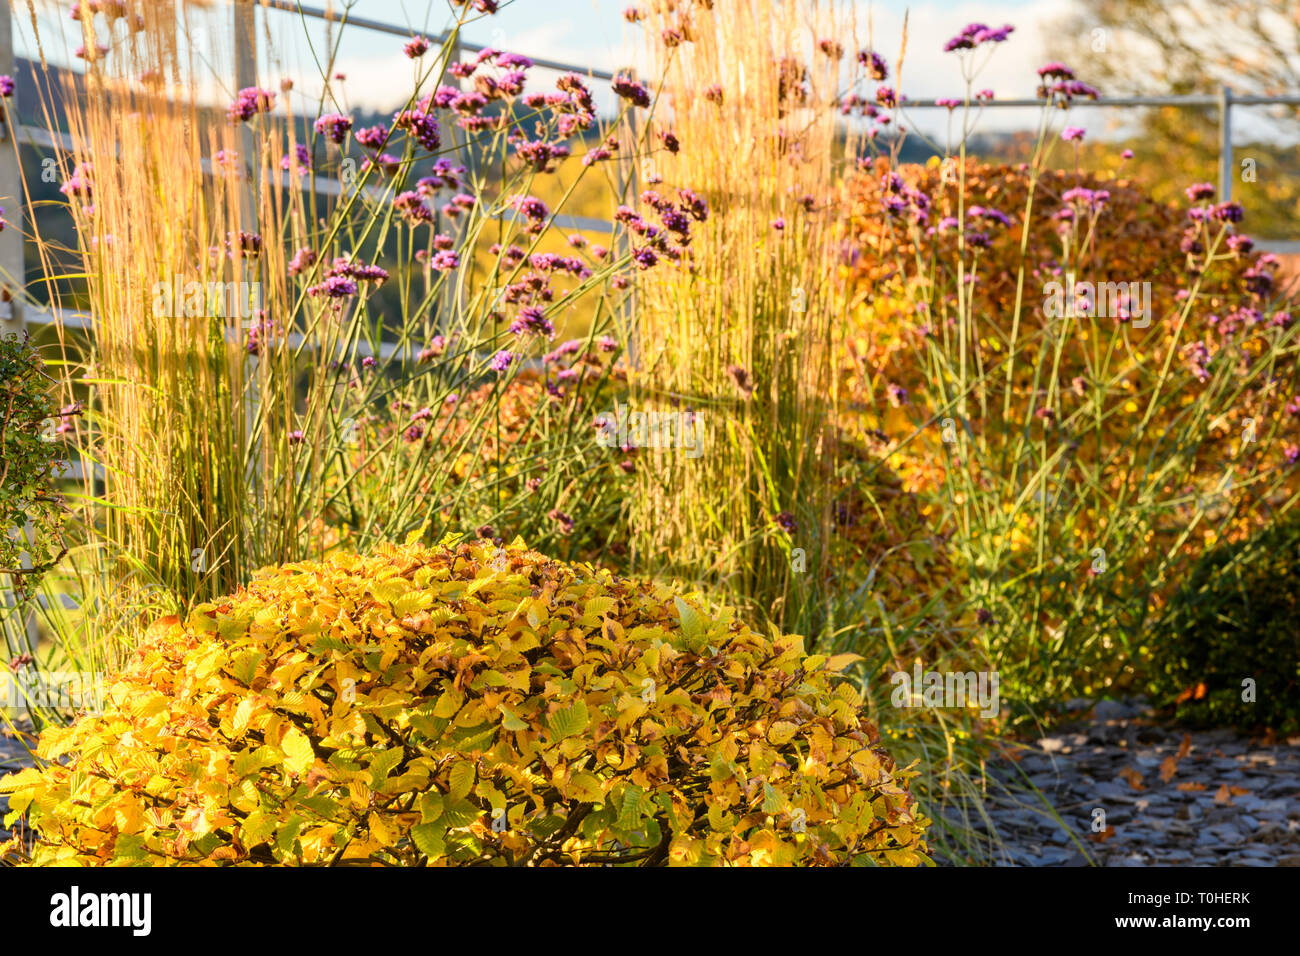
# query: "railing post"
[[245, 52], [1225, 144], [12, 269], [245, 37]]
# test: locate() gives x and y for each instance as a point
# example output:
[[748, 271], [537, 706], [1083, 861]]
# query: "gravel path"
[[1169, 797], [13, 756]]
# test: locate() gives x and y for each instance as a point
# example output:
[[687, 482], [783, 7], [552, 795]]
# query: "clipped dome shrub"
[[1235, 619], [466, 705]]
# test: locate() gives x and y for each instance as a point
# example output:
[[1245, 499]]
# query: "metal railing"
[[14, 316], [243, 11], [1223, 101], [288, 6]]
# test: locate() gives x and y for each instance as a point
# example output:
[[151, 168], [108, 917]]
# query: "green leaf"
[[467, 740], [233, 627], [430, 838], [629, 811], [321, 805], [449, 703], [694, 624], [288, 834], [384, 763], [462, 779], [772, 799], [129, 847], [256, 828], [244, 665], [430, 806], [510, 720], [328, 642], [569, 721], [460, 813], [251, 761], [207, 843]]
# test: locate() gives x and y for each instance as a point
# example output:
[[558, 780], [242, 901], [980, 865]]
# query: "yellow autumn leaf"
[[298, 753], [585, 787], [837, 662], [243, 714], [782, 732]]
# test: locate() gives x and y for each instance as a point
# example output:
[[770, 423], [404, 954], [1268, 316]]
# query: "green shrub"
[[27, 461], [466, 705], [1077, 462], [1237, 618]]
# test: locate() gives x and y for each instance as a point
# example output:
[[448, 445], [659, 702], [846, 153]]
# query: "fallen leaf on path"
[[1133, 777]]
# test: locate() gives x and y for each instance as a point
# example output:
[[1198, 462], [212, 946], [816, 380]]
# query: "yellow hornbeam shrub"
[[466, 704]]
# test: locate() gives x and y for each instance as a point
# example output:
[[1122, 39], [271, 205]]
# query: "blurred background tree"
[[1152, 47]]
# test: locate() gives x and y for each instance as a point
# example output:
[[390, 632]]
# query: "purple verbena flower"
[[1056, 71], [335, 287], [299, 159], [335, 126], [532, 321], [250, 101], [372, 137], [875, 65], [1228, 212], [630, 89], [411, 206]]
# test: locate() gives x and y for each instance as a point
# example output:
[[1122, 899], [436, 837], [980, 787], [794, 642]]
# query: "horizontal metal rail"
[[287, 6], [1190, 99], [38, 136], [387, 350], [1223, 101]]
